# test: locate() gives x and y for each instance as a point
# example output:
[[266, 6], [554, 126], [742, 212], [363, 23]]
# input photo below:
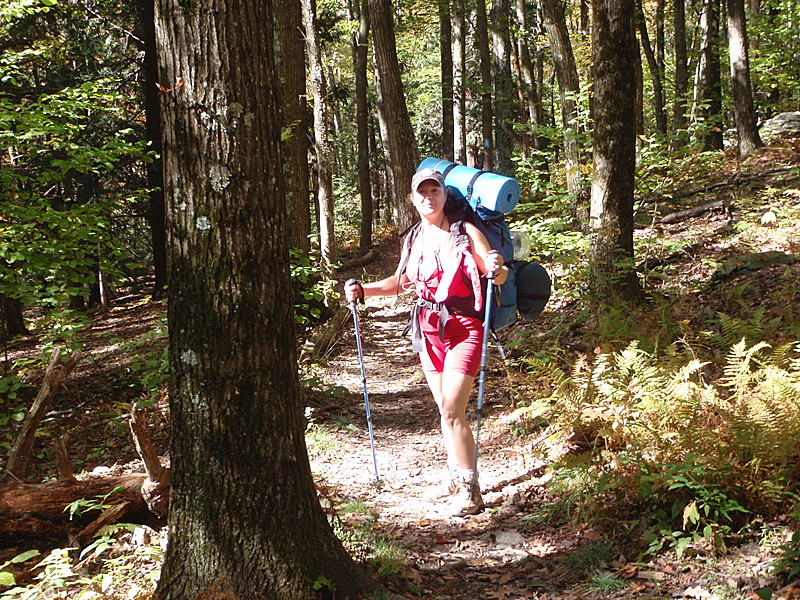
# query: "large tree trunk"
[[485, 57], [360, 56], [446, 57], [244, 517], [403, 156], [319, 92], [741, 88], [290, 65], [614, 55], [569, 88]]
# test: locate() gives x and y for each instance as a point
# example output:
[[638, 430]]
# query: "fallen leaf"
[[628, 571], [593, 534]]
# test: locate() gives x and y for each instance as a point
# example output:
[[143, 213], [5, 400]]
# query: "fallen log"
[[690, 212], [324, 336], [30, 510], [76, 509], [358, 261]]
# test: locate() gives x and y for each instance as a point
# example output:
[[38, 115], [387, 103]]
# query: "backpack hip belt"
[[413, 321]]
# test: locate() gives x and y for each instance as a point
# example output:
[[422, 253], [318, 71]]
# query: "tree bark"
[[611, 251], [244, 517], [742, 90], [403, 156], [319, 92], [291, 69]]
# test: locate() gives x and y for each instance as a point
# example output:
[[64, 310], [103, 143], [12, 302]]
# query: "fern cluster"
[[678, 436]]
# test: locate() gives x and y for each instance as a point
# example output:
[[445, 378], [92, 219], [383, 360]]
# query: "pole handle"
[[353, 281]]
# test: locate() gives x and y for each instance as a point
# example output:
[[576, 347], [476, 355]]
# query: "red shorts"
[[461, 350]]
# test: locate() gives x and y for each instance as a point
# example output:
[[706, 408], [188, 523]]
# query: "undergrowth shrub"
[[655, 436]]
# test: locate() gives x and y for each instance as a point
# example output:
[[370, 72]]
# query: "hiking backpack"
[[482, 198]]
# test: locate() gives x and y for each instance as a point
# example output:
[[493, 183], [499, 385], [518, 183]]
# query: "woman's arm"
[[390, 286], [488, 260]]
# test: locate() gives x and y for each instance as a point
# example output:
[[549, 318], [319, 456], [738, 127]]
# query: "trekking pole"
[[487, 326], [357, 328]]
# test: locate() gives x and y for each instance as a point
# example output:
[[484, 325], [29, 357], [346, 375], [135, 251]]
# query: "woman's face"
[[429, 198]]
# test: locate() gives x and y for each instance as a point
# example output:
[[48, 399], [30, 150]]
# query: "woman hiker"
[[446, 322]]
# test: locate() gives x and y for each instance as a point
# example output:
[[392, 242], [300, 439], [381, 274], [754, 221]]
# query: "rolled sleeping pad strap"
[[491, 191]]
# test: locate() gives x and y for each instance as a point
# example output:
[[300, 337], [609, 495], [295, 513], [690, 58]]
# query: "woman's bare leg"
[[451, 392]]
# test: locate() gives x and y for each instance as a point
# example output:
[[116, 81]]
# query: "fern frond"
[[734, 328], [741, 368]]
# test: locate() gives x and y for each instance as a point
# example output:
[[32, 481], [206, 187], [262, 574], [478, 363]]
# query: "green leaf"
[[20, 558], [7, 579]]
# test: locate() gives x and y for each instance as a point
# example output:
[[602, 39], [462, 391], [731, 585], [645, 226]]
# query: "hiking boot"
[[467, 499], [446, 488]]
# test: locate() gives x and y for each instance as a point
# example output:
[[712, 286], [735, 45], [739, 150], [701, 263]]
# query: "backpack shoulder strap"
[[408, 241], [459, 232]]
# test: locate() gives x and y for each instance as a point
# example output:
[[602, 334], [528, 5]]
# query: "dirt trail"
[[454, 557]]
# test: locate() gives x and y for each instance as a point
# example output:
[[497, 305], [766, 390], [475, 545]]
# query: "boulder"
[[787, 123]]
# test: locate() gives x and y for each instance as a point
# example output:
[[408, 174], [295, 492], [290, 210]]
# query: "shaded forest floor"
[[505, 552]]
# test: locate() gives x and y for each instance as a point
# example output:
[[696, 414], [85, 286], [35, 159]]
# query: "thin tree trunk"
[[484, 56], [655, 71], [360, 55], [155, 171], [459, 93], [660, 42], [291, 68], [532, 88], [319, 91], [681, 73], [403, 156], [569, 90], [503, 88], [525, 136], [707, 96], [741, 88], [446, 57]]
